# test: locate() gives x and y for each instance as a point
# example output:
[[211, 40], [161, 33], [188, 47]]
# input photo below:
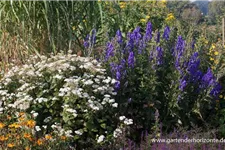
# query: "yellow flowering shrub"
[[214, 56], [130, 14], [170, 17]]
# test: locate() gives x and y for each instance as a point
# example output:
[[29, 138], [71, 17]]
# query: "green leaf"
[[103, 126]]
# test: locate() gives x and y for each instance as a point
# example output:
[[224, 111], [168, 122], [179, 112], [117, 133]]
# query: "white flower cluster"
[[126, 120], [117, 132], [58, 129], [77, 86], [100, 138]]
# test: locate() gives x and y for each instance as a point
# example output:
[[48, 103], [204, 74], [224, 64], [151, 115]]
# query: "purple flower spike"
[[193, 64], [183, 84], [208, 79], [118, 75], [136, 35], [166, 33], [131, 59], [159, 56], [130, 43], [119, 37], [148, 34], [117, 85], [86, 41], [180, 46], [141, 47], [216, 90], [109, 51]]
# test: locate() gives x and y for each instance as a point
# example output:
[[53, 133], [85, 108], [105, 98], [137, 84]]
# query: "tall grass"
[[44, 26]]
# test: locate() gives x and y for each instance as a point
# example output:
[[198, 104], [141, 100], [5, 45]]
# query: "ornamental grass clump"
[[68, 95], [156, 70]]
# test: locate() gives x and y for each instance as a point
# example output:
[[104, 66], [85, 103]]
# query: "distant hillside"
[[203, 6]]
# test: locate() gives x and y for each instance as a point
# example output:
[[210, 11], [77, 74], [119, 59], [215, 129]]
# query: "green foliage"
[[191, 14], [151, 86], [49, 26], [127, 15], [216, 11], [70, 94], [177, 7]]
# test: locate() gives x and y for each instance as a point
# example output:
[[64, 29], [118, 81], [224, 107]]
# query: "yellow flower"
[[163, 1], [170, 16], [48, 137], [122, 5], [84, 20], [216, 62], [2, 125], [216, 53], [142, 20], [39, 142], [3, 138], [211, 58], [27, 135], [213, 46], [147, 17], [10, 145], [221, 96], [14, 125], [73, 28], [30, 123], [213, 67]]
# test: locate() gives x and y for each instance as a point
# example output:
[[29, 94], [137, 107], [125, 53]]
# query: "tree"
[[191, 14], [177, 7], [203, 6], [216, 11]]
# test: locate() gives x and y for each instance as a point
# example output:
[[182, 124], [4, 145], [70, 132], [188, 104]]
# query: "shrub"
[[126, 15], [68, 94], [157, 71]]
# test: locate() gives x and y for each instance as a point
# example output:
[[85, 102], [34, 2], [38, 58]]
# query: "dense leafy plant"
[[49, 26], [127, 15], [68, 94], [157, 71]]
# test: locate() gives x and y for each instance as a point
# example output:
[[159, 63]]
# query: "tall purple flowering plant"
[[159, 74]]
